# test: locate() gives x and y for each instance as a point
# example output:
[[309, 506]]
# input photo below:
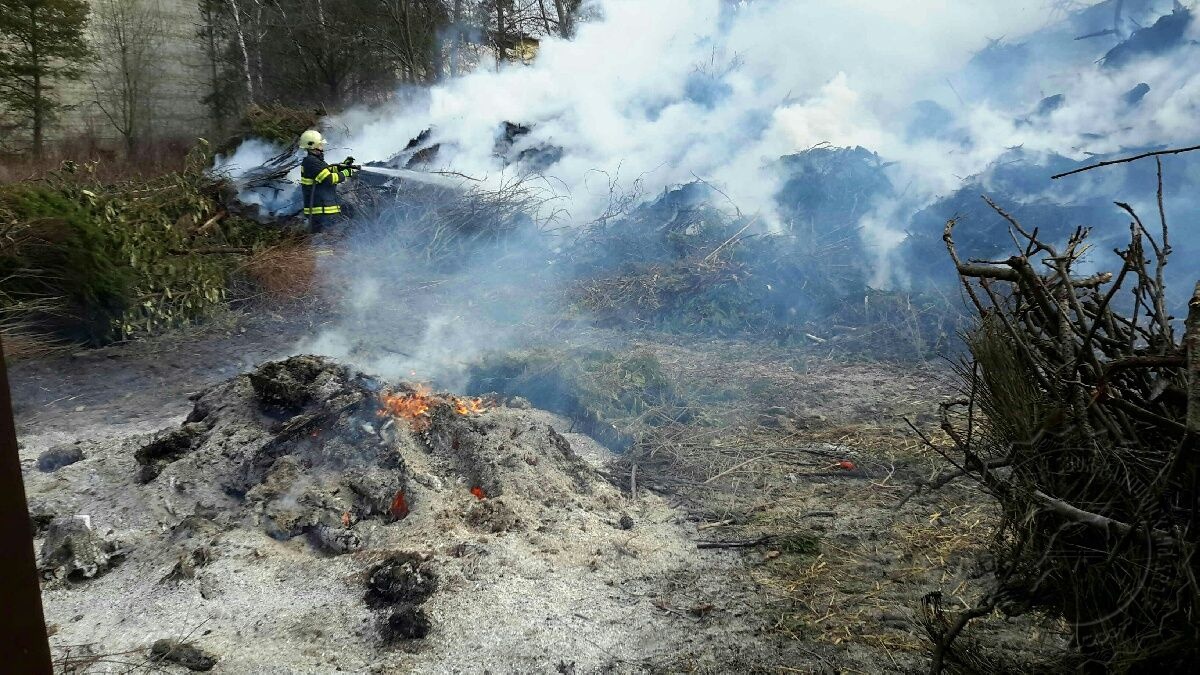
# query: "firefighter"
[[319, 181]]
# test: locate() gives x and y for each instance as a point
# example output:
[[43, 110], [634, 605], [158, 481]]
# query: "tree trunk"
[[564, 18], [499, 33], [259, 33], [35, 57], [241, 40], [409, 46], [210, 37], [456, 41]]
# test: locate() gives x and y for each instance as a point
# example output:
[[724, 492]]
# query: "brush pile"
[[405, 220], [1081, 415], [690, 261], [86, 261]]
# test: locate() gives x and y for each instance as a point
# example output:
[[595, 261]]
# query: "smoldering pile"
[[309, 447], [332, 517], [309, 451]]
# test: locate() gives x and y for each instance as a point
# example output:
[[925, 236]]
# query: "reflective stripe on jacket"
[[318, 185]]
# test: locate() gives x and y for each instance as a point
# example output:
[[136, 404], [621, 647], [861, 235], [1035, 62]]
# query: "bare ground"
[[836, 588]]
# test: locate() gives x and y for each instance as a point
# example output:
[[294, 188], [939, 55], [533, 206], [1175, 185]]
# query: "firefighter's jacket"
[[318, 184]]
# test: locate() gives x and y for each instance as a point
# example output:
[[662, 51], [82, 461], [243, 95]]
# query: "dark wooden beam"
[[22, 624]]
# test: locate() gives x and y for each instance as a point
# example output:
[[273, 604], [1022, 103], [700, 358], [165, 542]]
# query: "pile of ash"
[[309, 447], [334, 517]]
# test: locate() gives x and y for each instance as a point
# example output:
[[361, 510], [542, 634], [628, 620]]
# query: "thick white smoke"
[[668, 90], [665, 91], [280, 199], [671, 89]]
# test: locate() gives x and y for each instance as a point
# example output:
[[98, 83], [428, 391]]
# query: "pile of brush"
[[1081, 415], [84, 260], [444, 226], [680, 262]]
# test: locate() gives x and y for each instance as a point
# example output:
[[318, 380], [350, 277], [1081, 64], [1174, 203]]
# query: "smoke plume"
[[650, 95]]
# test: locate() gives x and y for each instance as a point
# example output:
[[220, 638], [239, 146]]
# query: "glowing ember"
[[416, 407], [346, 519], [399, 510], [478, 492]]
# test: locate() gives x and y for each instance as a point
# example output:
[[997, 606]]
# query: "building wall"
[[176, 101]]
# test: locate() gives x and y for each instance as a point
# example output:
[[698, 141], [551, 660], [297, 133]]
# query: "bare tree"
[[129, 38], [411, 35], [209, 34], [501, 31]]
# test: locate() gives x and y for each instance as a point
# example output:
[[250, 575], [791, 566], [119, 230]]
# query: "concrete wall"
[[176, 102]]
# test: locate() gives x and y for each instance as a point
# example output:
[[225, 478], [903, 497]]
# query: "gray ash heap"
[[330, 516], [310, 447]]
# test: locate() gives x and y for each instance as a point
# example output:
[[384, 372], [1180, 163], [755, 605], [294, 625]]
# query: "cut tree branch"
[[1008, 274], [1111, 162]]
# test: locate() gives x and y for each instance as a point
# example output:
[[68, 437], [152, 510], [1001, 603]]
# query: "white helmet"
[[312, 140]]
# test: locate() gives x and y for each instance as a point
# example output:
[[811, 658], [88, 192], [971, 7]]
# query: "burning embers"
[[417, 406]]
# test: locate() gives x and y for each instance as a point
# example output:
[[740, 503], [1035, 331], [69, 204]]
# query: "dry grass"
[[102, 160], [285, 272], [846, 570], [20, 344], [844, 567], [22, 340]]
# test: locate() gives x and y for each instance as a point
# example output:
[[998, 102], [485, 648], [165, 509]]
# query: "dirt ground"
[[805, 454]]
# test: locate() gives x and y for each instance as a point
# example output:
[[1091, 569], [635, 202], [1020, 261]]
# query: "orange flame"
[[478, 492], [468, 406], [416, 406]]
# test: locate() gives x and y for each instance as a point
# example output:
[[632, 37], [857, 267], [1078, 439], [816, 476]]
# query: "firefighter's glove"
[[348, 166]]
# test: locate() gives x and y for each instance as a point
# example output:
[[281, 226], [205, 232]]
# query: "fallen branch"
[[749, 543], [213, 250], [1158, 153], [211, 222], [735, 468], [717, 250], [942, 648], [1191, 343], [1131, 362]]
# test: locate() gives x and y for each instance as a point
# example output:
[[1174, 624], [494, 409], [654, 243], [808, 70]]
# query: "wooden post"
[[1191, 342], [22, 624]]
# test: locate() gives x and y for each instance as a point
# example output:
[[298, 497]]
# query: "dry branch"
[[1157, 153]]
